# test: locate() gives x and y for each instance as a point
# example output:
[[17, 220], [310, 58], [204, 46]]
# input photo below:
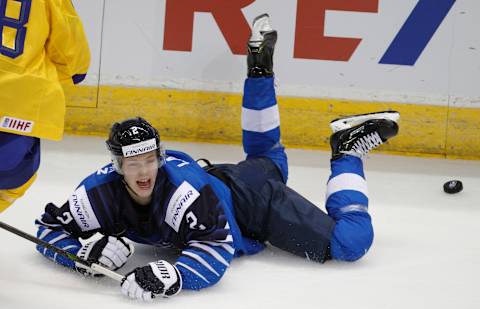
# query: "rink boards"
[[181, 64], [215, 117]]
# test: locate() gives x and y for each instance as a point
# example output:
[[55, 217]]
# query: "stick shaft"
[[94, 266]]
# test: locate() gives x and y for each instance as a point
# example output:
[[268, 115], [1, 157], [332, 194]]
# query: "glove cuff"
[[85, 253], [169, 275], [85, 250]]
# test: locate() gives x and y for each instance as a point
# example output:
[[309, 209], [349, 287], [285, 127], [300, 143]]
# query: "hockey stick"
[[92, 266]]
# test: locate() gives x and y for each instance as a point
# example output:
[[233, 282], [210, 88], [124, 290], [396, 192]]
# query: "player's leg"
[[260, 116], [8, 196], [19, 162], [347, 193], [288, 221], [291, 222]]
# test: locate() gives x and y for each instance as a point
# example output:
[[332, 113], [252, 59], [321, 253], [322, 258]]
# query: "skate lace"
[[367, 143]]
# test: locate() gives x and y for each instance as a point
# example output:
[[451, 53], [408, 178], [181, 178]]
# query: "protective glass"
[[140, 166]]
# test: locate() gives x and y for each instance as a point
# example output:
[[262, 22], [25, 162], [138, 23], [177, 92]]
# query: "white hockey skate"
[[356, 135], [349, 122], [260, 48]]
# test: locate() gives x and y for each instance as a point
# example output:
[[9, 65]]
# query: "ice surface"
[[426, 252]]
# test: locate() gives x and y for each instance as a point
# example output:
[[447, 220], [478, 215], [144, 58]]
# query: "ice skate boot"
[[357, 135], [260, 48]]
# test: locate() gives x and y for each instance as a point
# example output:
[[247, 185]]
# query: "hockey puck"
[[453, 186]]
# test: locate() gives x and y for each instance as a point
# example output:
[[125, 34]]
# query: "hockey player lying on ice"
[[216, 213]]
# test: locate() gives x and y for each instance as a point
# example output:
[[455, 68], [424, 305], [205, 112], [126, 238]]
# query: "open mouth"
[[144, 184]]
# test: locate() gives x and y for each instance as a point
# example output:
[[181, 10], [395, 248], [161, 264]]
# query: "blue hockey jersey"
[[190, 210]]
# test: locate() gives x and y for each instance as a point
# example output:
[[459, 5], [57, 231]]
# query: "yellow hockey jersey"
[[42, 44]]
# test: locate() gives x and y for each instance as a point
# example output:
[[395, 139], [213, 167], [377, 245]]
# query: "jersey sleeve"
[[76, 218], [209, 243], [67, 46], [62, 227], [51, 231]]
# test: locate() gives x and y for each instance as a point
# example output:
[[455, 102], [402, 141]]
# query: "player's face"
[[140, 173]]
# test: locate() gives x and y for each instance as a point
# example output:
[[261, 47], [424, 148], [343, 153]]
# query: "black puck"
[[453, 186]]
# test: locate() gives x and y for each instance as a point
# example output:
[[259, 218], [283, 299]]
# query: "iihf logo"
[[16, 124]]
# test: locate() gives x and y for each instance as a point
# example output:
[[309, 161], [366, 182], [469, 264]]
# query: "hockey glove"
[[109, 251], [156, 279]]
